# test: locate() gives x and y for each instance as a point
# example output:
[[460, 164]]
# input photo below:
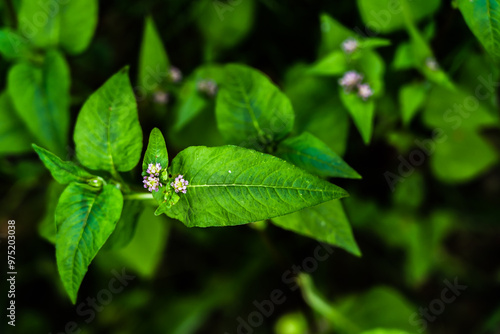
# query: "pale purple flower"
[[350, 45], [179, 184], [208, 87], [160, 97], [431, 63], [154, 169], [350, 80], [152, 183], [175, 74], [365, 91]]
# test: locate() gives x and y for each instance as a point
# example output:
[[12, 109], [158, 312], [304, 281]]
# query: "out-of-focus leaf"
[[144, 251], [231, 185], [462, 156], [411, 98], [47, 226], [108, 135], [251, 108], [326, 222], [126, 226], [332, 34], [385, 16], [153, 59], [70, 24], [14, 137], [314, 156], [333, 63], [317, 110], [191, 101], [41, 97], [362, 113], [225, 24], [13, 45]]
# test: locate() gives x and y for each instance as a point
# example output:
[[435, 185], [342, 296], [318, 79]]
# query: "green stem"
[[139, 196]]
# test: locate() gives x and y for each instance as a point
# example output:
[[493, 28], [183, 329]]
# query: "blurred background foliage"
[[438, 221]]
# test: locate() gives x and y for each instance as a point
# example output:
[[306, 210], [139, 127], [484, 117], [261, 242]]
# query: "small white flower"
[[365, 91], [175, 74], [431, 63], [350, 80], [208, 87], [350, 45], [160, 97], [179, 184]]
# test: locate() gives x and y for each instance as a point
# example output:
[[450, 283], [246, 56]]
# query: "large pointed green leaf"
[[156, 151], [311, 154], [153, 60], [231, 185], [326, 222], [85, 218], [108, 135], [62, 171], [41, 97], [250, 108], [70, 24], [483, 19], [14, 137]]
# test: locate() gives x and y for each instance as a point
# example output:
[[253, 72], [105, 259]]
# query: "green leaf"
[[126, 226], [403, 58], [63, 172], [144, 251], [463, 156], [372, 66], [108, 135], [317, 110], [332, 34], [250, 108], [311, 154], [70, 24], [47, 226], [373, 314], [85, 218], [334, 63], [156, 151], [13, 45], [231, 185], [411, 99], [385, 16], [483, 19], [153, 59], [191, 101], [362, 112], [41, 97], [225, 24], [14, 137], [326, 222]]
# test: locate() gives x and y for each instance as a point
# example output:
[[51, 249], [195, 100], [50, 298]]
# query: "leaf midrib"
[[252, 186]]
